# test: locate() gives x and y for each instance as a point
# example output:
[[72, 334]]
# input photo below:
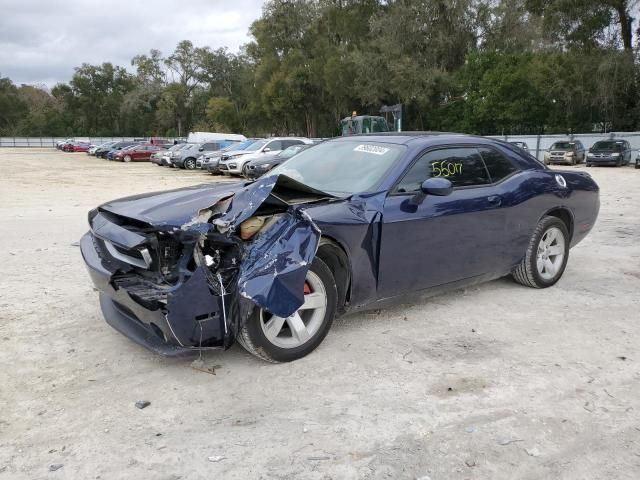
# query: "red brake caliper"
[[307, 288]]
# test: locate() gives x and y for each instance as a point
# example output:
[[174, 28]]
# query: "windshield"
[[175, 147], [291, 151], [241, 146], [254, 147], [607, 146], [344, 167], [563, 146]]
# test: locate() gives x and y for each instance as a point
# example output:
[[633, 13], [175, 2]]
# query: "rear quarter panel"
[[530, 195]]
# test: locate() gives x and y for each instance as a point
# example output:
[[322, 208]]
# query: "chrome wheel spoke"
[[298, 328], [549, 238], [273, 327], [549, 267], [555, 250], [313, 301]]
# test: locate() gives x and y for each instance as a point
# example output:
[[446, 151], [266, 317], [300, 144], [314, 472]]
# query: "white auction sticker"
[[375, 149]]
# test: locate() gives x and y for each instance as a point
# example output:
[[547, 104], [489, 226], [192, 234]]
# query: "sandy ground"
[[493, 382]]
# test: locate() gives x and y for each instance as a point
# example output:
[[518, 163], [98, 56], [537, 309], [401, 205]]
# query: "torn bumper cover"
[[179, 286]]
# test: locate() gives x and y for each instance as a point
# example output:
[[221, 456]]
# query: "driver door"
[[442, 239]]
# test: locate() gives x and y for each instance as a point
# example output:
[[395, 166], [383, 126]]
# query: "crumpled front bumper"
[[175, 289], [201, 317]]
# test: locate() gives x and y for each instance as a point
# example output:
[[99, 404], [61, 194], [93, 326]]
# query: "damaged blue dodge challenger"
[[351, 223]]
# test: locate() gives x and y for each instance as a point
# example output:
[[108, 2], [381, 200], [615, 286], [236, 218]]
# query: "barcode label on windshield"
[[375, 149]]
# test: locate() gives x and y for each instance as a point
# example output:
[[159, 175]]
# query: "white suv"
[[233, 163]]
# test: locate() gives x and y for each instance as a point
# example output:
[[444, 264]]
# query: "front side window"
[[462, 166], [275, 145], [209, 147]]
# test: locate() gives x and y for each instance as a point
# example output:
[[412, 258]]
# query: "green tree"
[[585, 23], [12, 107]]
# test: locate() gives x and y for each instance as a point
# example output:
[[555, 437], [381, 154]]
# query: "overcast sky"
[[41, 41]]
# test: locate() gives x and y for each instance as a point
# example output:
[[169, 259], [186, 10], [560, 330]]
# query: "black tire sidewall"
[[549, 222], [278, 354]]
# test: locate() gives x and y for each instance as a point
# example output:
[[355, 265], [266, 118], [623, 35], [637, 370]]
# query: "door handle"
[[495, 200]]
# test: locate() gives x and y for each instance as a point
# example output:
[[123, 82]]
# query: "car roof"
[[405, 138], [285, 138]]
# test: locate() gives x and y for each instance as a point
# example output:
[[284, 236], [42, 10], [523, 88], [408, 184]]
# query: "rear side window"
[[462, 166], [497, 164]]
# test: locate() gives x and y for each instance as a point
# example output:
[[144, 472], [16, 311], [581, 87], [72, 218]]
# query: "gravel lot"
[[493, 382]]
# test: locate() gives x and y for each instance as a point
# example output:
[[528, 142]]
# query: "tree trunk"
[[625, 20]]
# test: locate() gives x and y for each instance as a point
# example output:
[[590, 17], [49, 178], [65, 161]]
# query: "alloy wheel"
[[550, 254], [299, 328]]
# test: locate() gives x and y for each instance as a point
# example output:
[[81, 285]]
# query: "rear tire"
[[542, 265], [190, 164], [284, 346]]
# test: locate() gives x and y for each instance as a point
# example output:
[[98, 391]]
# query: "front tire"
[[190, 164], [127, 158], [276, 339], [546, 257]]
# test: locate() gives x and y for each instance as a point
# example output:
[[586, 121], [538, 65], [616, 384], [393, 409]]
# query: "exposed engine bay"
[[196, 282]]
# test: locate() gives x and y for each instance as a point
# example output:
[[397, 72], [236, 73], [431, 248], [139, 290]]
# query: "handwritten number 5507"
[[446, 169]]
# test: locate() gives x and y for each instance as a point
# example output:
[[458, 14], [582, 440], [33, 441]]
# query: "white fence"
[[45, 142], [539, 143]]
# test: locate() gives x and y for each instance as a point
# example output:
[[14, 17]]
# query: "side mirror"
[[437, 186], [266, 150]]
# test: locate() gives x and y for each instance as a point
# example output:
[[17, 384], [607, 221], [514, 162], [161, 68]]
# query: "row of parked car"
[[253, 157], [573, 152], [603, 152], [250, 158], [125, 151]]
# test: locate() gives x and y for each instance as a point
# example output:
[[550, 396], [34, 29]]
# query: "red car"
[[136, 153], [76, 147], [81, 147]]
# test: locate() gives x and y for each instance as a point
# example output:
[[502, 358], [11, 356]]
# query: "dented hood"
[[174, 208], [274, 264], [171, 208]]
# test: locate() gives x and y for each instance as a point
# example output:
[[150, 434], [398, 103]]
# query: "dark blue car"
[[355, 222]]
